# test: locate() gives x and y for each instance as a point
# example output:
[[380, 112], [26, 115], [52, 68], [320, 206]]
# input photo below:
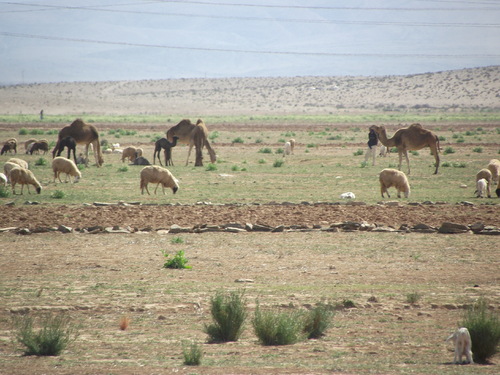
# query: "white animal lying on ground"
[[461, 340]]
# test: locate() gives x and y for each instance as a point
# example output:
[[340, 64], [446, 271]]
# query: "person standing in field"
[[372, 146]]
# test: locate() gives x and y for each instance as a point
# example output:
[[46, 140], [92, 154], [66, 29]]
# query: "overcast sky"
[[91, 40]]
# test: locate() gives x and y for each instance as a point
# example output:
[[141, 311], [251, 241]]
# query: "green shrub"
[[278, 163], [279, 151], [413, 297], [317, 321], [265, 150], [477, 149], [262, 161], [178, 261], [192, 354], [238, 140], [52, 338], [484, 328], [414, 153], [278, 328], [459, 165], [394, 150], [229, 314], [348, 304], [41, 161], [23, 131], [235, 168], [123, 169], [258, 140], [58, 194], [358, 152], [4, 192], [442, 138], [445, 164], [213, 135], [211, 167], [448, 150]]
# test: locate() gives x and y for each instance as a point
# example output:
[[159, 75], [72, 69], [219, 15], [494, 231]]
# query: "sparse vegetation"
[[317, 321], [192, 353], [58, 194], [40, 162], [228, 314], [413, 297], [55, 334], [278, 328]]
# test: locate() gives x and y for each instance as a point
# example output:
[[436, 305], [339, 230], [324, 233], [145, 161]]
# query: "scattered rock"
[[64, 229], [174, 228], [452, 228], [23, 231], [244, 281], [423, 228]]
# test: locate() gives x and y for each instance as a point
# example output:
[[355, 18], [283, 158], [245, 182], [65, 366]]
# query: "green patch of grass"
[[123, 169], [178, 261], [177, 240], [58, 194], [413, 297], [54, 335], [211, 167], [477, 149], [238, 140], [265, 150], [317, 321], [448, 150], [278, 163], [358, 152], [4, 192], [278, 328], [192, 353]]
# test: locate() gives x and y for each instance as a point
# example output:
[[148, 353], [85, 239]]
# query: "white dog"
[[462, 341]]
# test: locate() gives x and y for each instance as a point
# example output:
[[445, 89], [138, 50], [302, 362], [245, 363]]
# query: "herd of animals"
[[413, 137]]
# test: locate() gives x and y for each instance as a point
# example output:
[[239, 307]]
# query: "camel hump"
[[200, 122]]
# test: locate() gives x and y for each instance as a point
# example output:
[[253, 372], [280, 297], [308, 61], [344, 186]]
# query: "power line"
[[228, 50], [249, 18]]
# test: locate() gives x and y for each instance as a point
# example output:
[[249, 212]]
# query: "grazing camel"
[[414, 137], [83, 134], [167, 146], [194, 135]]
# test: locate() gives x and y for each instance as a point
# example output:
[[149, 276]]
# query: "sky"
[[110, 40]]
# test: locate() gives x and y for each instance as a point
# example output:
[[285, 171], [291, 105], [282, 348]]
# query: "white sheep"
[[3, 179], [394, 178], [129, 152], [494, 167], [7, 167], [462, 341], [292, 145], [67, 166], [23, 177], [484, 174], [481, 188], [158, 175], [288, 149], [383, 151], [22, 163]]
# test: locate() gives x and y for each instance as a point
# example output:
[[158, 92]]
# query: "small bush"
[[235, 168], [484, 329], [459, 165], [211, 167], [442, 138], [364, 164], [413, 297], [278, 163], [414, 153], [176, 240], [448, 150], [192, 354], [477, 149], [4, 192], [123, 169], [277, 328], [23, 131], [258, 140], [317, 321], [179, 261], [40, 162], [445, 164], [55, 334], [214, 135], [58, 194], [265, 150], [229, 314], [279, 151], [358, 152], [238, 140], [262, 161], [348, 304]]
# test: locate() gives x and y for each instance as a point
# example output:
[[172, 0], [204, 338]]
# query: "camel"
[[167, 146], [194, 135], [84, 134], [414, 137]]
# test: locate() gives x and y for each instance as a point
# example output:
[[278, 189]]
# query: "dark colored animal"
[[10, 145], [141, 160], [167, 146], [42, 145], [68, 142]]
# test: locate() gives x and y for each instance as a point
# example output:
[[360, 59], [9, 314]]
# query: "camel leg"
[[436, 156], [87, 154], [189, 153], [199, 157], [401, 160], [374, 154]]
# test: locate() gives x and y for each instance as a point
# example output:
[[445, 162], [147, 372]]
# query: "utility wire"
[[206, 49]]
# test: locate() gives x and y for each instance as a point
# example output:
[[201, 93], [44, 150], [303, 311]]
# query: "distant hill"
[[477, 88]]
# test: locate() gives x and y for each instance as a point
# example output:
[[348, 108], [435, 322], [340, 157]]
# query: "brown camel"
[[194, 135], [414, 137], [83, 134]]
